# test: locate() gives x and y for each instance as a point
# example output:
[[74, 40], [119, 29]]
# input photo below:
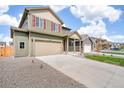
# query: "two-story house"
[[40, 32]]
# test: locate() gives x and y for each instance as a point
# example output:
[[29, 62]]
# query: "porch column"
[[74, 45], [67, 45]]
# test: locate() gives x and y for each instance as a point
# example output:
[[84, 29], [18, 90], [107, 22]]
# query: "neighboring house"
[[2, 44], [122, 46], [100, 44], [116, 45], [87, 43], [40, 32], [94, 40]]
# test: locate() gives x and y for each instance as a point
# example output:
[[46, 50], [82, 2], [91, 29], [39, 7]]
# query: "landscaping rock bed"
[[32, 73]]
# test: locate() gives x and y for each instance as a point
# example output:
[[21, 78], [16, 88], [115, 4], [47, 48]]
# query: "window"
[[41, 23], [22, 45], [37, 22], [71, 42], [56, 27]]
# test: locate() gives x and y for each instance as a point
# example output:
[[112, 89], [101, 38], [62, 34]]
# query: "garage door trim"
[[45, 40], [87, 46], [48, 40]]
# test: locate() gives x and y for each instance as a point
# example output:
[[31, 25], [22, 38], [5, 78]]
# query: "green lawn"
[[106, 59], [119, 52]]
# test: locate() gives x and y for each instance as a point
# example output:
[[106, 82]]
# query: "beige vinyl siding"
[[48, 26], [21, 37], [45, 15]]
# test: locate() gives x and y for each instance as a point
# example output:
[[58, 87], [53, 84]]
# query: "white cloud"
[[58, 8], [3, 9], [94, 29], [6, 19], [4, 38], [90, 13], [20, 17], [117, 38], [94, 15]]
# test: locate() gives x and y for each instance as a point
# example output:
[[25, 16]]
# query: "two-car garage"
[[48, 47]]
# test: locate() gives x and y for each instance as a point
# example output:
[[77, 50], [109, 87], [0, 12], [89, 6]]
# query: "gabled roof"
[[84, 36], [93, 39], [74, 32], [26, 11]]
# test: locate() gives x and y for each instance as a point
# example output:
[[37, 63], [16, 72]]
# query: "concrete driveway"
[[88, 72]]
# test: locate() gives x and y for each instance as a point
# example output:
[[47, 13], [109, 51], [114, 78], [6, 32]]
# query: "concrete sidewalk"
[[88, 72]]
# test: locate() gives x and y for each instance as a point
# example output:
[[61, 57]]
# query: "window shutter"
[[33, 21], [44, 23]]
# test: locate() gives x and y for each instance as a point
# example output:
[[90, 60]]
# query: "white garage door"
[[48, 48], [87, 48]]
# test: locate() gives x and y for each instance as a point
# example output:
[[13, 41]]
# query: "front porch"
[[73, 44]]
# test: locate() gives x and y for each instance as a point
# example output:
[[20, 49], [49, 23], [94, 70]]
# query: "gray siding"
[[87, 41], [21, 37]]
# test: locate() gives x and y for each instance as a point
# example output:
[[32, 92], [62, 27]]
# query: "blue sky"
[[105, 22]]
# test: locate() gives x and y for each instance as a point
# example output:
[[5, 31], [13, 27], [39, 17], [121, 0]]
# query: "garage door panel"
[[87, 48], [48, 48]]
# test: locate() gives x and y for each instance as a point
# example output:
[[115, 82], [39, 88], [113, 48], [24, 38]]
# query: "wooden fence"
[[6, 51]]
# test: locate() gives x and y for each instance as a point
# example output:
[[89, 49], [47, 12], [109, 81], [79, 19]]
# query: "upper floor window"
[[55, 27], [42, 23], [37, 22]]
